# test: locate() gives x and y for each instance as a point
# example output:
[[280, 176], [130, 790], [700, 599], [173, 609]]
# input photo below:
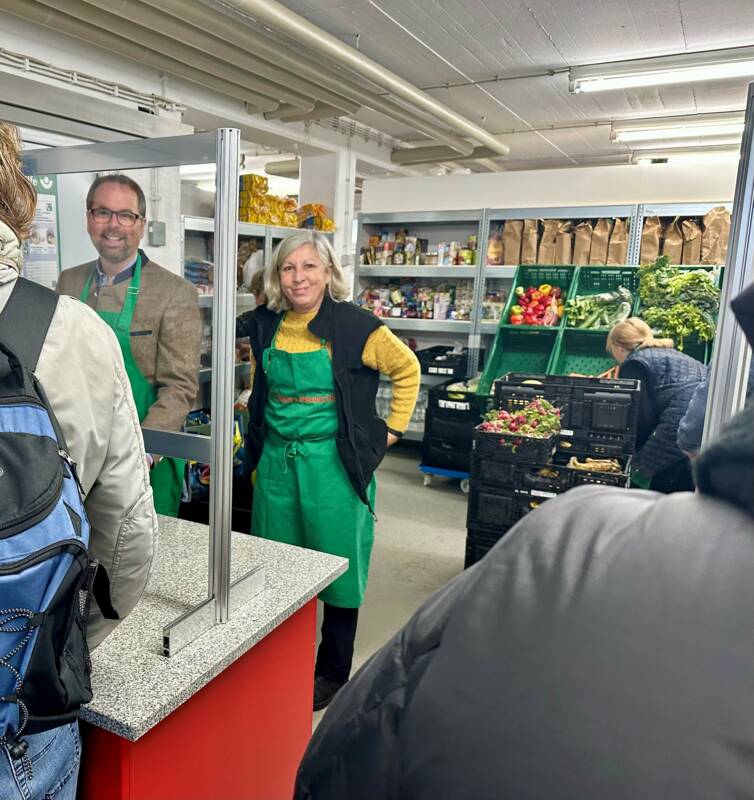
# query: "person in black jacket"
[[603, 649], [668, 382], [314, 436]]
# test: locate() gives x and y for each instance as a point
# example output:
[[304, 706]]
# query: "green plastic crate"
[[580, 352], [535, 275], [595, 280], [517, 349]]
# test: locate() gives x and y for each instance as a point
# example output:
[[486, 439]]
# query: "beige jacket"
[[166, 334], [81, 370]]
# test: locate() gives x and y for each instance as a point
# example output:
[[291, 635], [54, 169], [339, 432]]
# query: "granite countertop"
[[134, 685]]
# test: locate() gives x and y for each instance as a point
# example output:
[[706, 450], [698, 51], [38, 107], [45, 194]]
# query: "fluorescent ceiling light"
[[711, 65], [678, 127], [729, 142], [681, 155], [34, 138]]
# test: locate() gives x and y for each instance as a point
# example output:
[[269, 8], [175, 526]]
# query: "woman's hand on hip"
[[391, 439]]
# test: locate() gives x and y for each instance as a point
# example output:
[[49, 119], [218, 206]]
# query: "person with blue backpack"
[[78, 528]]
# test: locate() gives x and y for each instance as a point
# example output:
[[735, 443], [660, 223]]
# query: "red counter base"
[[240, 738]]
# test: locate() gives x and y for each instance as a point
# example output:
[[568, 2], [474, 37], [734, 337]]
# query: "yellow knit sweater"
[[383, 352]]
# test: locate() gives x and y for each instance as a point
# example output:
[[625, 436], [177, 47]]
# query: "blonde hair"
[[634, 334], [336, 286], [18, 198]]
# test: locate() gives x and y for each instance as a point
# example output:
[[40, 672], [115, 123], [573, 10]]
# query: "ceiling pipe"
[[280, 19], [184, 33], [432, 155], [109, 41], [265, 48], [185, 54], [320, 111], [288, 168]]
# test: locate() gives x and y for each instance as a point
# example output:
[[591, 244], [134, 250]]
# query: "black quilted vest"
[[674, 377]]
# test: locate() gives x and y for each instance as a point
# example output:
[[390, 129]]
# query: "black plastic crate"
[[494, 510], [446, 455], [440, 360], [514, 447], [550, 480], [600, 410], [495, 473], [475, 551], [453, 415]]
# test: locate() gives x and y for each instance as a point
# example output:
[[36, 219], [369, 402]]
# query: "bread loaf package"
[[672, 245], [650, 240], [600, 241], [692, 242], [546, 252], [512, 233], [617, 250], [564, 244], [582, 243], [715, 235], [495, 249], [529, 239]]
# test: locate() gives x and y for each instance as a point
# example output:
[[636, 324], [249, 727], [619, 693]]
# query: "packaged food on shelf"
[[200, 273], [692, 242], [398, 248], [672, 245], [529, 241], [495, 249], [564, 243], [546, 252], [513, 232], [650, 240], [715, 235], [600, 241], [414, 301], [582, 245], [617, 249], [314, 216], [493, 304]]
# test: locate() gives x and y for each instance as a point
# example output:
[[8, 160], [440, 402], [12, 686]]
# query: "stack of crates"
[[449, 426], [599, 419]]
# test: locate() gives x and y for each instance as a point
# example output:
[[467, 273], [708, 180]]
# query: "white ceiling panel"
[[435, 42]]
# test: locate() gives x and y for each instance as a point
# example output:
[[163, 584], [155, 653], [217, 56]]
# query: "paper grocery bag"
[[564, 244], [546, 252], [600, 241], [529, 240], [672, 246], [512, 234], [692, 242], [617, 250], [650, 240], [582, 244], [715, 236]]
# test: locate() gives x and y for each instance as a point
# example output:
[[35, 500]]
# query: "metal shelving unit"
[[412, 271], [428, 325]]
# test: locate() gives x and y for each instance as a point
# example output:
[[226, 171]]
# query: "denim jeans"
[[54, 756]]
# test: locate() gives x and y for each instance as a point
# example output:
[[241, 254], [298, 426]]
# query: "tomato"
[[516, 319]]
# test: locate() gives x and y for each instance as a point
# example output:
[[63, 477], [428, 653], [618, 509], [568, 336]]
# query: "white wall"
[[625, 184]]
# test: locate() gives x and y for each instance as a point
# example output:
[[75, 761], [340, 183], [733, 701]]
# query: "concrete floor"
[[418, 546]]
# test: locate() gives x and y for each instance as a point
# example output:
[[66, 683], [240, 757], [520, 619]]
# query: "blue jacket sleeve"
[[692, 425]]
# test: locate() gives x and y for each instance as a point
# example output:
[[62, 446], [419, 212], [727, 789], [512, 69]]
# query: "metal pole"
[[731, 355], [223, 367]]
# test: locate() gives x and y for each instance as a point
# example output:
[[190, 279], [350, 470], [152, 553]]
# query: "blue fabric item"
[[55, 756], [691, 426], [674, 379], [24, 418]]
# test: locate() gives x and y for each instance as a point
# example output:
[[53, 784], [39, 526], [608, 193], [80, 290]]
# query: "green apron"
[[167, 476], [302, 494]]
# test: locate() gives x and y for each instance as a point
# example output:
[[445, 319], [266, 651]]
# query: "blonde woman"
[[314, 436], [668, 382]]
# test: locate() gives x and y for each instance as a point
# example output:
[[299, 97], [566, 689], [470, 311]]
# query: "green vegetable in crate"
[[696, 288], [679, 322], [537, 420], [654, 279], [599, 310]]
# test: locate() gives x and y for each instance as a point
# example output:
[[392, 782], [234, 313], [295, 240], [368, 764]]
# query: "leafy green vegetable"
[[599, 310], [678, 303]]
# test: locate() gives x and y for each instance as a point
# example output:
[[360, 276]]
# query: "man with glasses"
[[153, 312]]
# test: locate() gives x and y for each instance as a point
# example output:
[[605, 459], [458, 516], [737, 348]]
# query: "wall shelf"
[[428, 325], [416, 271]]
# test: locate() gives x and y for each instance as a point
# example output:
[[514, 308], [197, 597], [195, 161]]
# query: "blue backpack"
[[46, 574]]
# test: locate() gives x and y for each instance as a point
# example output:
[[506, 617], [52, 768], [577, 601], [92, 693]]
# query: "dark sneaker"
[[324, 691]]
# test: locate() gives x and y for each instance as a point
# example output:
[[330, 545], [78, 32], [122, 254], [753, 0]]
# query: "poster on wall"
[[41, 249]]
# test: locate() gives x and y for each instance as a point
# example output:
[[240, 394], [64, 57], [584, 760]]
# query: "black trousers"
[[335, 653]]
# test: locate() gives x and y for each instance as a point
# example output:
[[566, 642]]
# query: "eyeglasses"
[[125, 218]]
